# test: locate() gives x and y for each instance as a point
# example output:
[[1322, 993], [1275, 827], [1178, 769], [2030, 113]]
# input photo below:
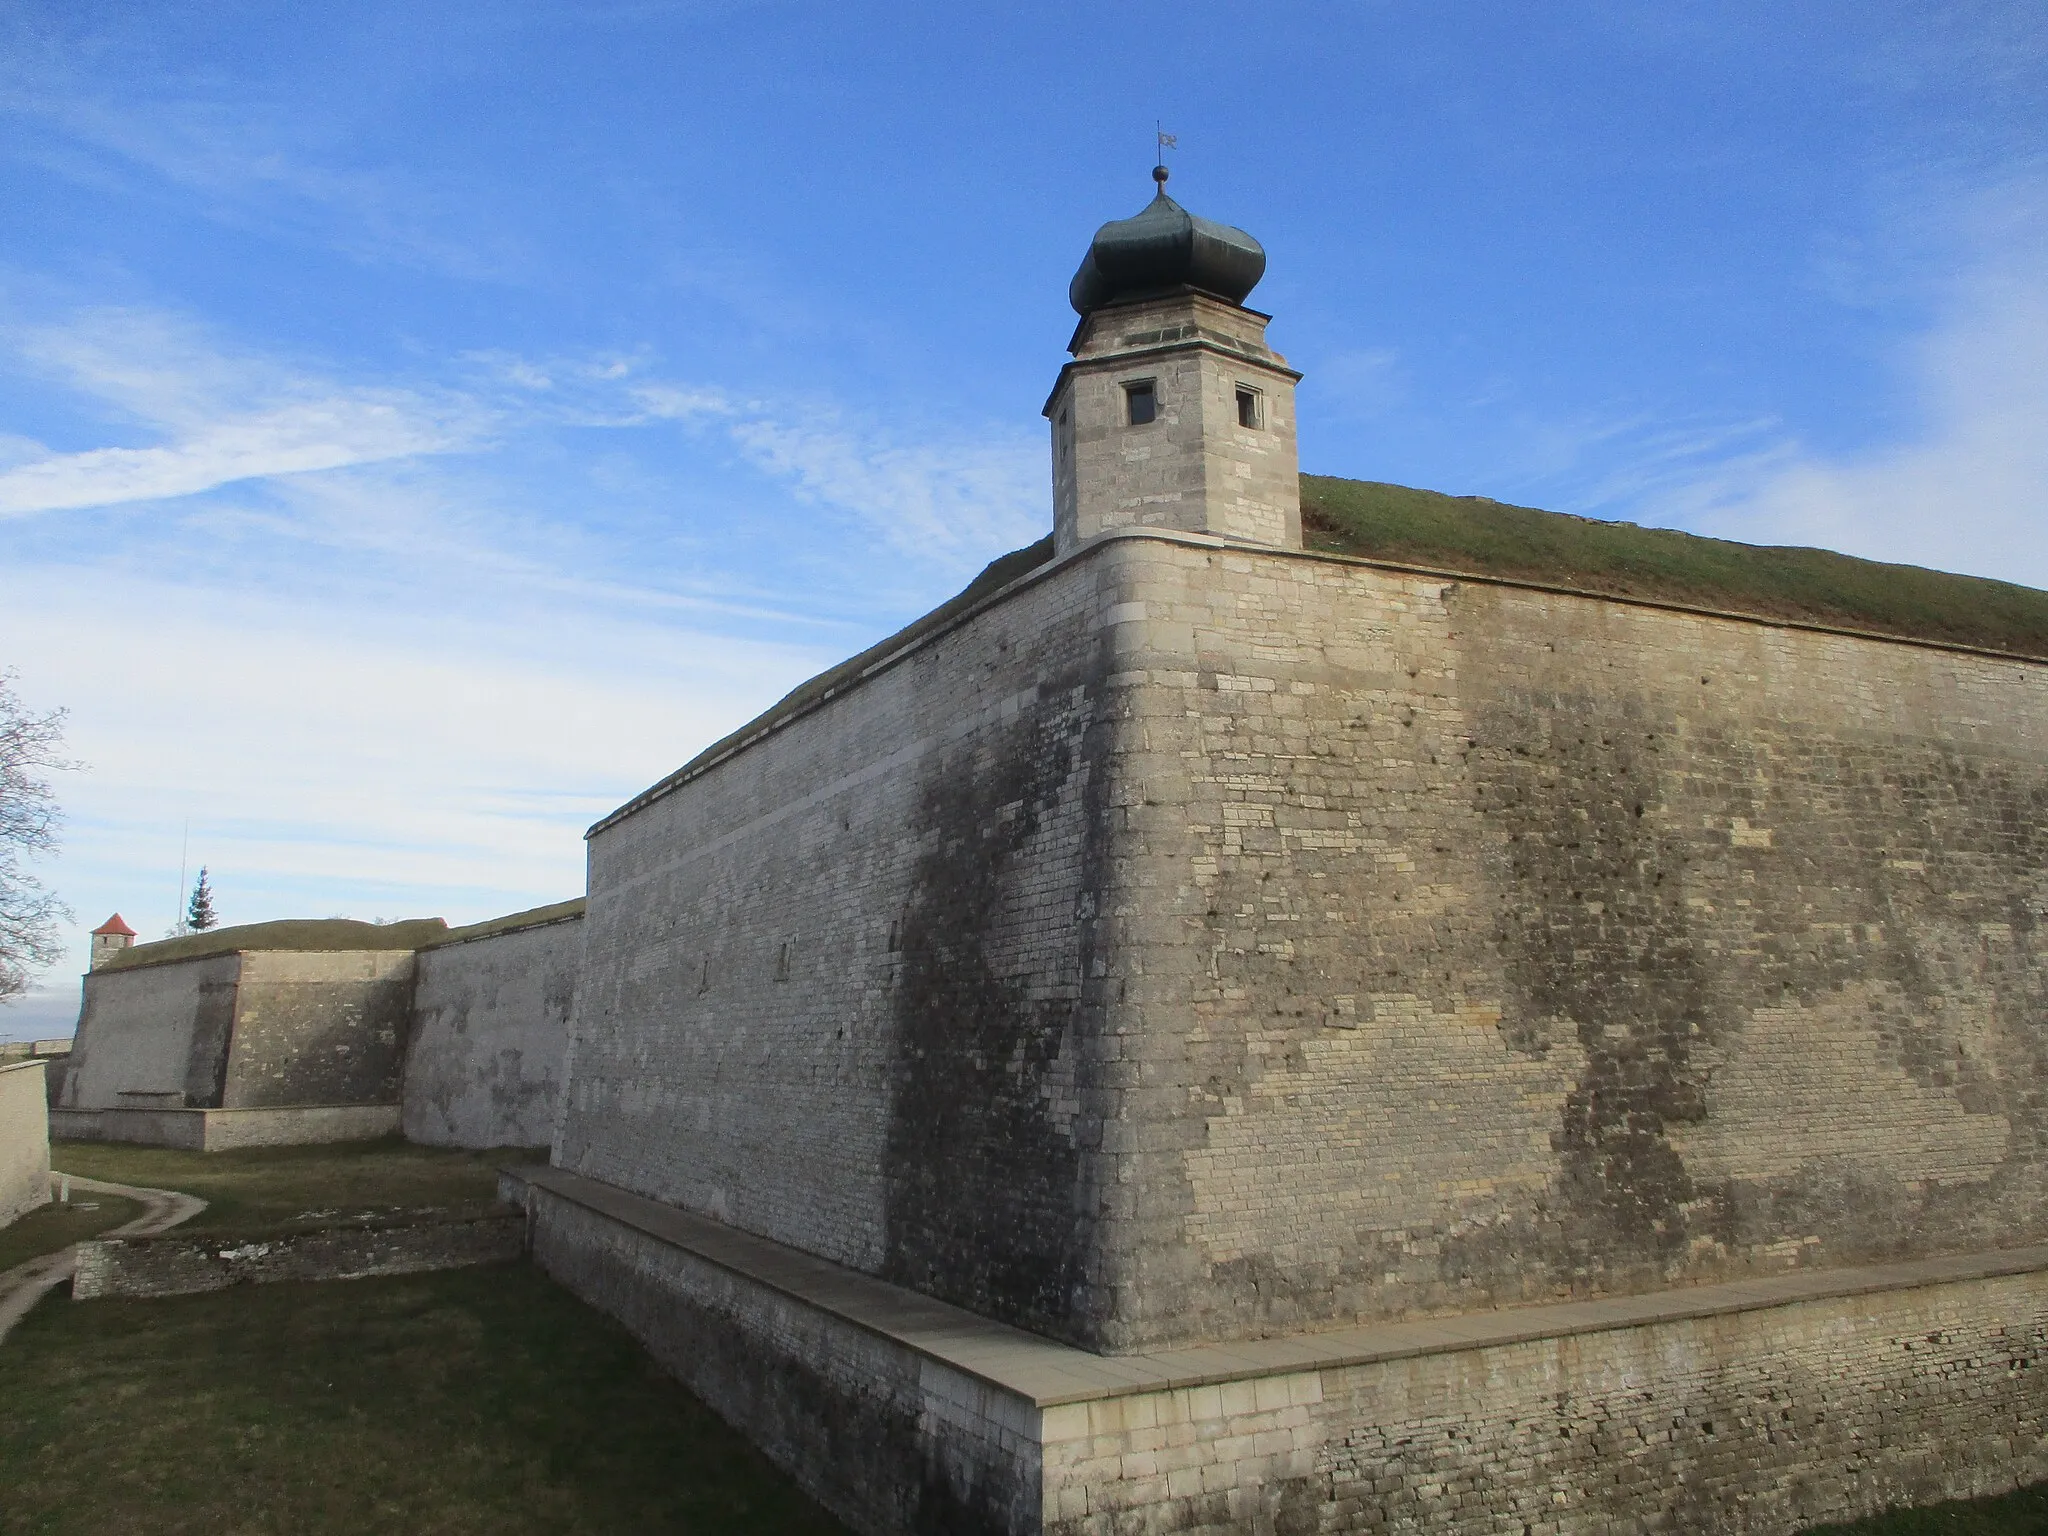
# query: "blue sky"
[[423, 425]]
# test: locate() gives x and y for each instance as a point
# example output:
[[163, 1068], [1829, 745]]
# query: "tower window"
[[1141, 403], [1249, 413]]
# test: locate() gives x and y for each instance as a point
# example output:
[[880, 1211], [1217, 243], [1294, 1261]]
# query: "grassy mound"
[[321, 933], [335, 933], [532, 917], [1469, 534]]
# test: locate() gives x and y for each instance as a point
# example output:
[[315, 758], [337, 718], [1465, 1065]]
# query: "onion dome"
[[1163, 250]]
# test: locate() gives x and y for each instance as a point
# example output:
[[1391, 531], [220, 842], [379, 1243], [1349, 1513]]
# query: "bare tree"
[[28, 827]]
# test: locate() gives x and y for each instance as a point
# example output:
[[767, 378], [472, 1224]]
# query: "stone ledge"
[[1049, 1373]]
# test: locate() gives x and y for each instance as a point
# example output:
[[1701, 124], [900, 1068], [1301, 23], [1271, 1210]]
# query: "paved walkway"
[[26, 1284]]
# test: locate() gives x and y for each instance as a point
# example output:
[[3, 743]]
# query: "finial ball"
[[1159, 174]]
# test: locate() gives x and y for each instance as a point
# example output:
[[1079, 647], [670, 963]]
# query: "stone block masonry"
[[490, 1032], [1759, 1406], [314, 1028], [258, 1029], [1253, 970], [840, 984], [1480, 944]]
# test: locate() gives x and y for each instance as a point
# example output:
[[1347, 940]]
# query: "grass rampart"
[[1472, 535], [256, 1189]]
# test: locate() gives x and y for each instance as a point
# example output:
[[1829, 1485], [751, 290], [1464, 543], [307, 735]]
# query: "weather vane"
[[1166, 141]]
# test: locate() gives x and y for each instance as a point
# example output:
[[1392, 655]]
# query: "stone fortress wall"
[[24, 1140], [157, 1030], [1324, 943], [461, 1041], [1485, 945], [836, 977], [1196, 949], [1208, 1037], [489, 1035], [256, 1029]]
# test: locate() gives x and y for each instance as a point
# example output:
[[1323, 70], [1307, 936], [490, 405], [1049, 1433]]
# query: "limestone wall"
[[1486, 944], [319, 1028], [1208, 943], [24, 1140], [838, 984], [888, 1440], [1759, 1421], [490, 1028], [1767, 1405], [156, 1029], [257, 1029]]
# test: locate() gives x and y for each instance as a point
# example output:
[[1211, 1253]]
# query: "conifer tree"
[[199, 916]]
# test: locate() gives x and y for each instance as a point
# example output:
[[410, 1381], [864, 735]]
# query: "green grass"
[[482, 1401], [332, 933], [321, 933], [265, 1188], [59, 1226], [1491, 538], [2023, 1513], [532, 917]]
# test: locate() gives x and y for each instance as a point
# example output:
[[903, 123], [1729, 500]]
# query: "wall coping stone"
[[1050, 1373], [771, 721]]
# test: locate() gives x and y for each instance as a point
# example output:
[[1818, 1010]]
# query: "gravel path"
[[24, 1285]]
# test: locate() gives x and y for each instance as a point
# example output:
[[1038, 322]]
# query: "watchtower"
[[1174, 412], [108, 940]]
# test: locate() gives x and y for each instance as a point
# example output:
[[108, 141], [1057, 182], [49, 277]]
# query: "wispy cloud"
[[947, 499], [1967, 489], [223, 418], [248, 160], [957, 502], [385, 642]]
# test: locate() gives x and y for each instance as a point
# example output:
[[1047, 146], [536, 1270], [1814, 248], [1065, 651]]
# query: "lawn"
[[2024, 1513], [272, 1187], [59, 1226], [477, 1400]]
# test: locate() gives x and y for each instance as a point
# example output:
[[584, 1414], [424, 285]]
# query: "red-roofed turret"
[[108, 940]]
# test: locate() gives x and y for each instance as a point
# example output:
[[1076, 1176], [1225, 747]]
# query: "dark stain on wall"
[[984, 1179], [1595, 933], [213, 1024], [1885, 860], [319, 1042]]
